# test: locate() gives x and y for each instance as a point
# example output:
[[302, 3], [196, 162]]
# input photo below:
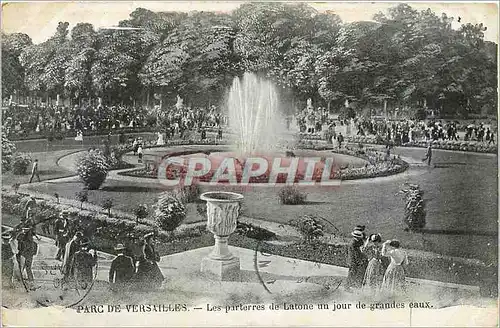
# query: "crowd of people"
[[77, 256], [375, 266], [404, 131], [23, 120], [398, 131]]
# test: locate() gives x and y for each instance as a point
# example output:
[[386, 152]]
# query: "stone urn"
[[222, 215]]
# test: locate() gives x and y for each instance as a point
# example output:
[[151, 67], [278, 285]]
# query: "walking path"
[[280, 275]]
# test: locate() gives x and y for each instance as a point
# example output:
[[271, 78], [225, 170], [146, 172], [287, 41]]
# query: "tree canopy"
[[405, 57]]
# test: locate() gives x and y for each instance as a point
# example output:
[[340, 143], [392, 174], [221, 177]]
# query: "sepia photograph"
[[278, 163]]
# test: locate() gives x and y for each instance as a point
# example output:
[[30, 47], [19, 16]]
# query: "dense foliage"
[[141, 212], [169, 211], [291, 195], [20, 163], [8, 149], [415, 212], [407, 57], [309, 227], [188, 194], [93, 167]]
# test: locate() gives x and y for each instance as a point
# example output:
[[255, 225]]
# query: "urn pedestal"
[[222, 215]]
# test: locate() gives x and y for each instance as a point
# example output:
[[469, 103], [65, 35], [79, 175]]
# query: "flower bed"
[[378, 166], [473, 146]]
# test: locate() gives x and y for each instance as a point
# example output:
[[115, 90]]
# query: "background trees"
[[406, 58]]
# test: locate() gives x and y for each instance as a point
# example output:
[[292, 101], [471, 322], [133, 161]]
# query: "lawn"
[[47, 166], [461, 191]]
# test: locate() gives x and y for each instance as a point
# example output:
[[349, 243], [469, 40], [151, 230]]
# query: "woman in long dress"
[[356, 261], [374, 273], [394, 277], [148, 275]]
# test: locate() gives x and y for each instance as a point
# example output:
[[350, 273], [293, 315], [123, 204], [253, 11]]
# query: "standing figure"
[[121, 271], [28, 248], [7, 260], [356, 261], [394, 277], [79, 136], [219, 133], [428, 155], [71, 248], [61, 230], [139, 153], [83, 264], [374, 273], [149, 275], [135, 146], [334, 141], [160, 141], [492, 138], [340, 139], [34, 171]]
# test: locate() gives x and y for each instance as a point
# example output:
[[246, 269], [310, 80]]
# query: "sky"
[[39, 20]]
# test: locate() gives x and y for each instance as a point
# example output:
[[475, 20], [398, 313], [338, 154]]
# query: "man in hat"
[[83, 263], [61, 228], [361, 228], [122, 269], [71, 248], [7, 260], [27, 250], [356, 261], [61, 242]]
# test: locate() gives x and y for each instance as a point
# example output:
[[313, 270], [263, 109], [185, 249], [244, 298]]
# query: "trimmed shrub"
[[20, 163], [141, 212], [93, 168], [291, 195], [188, 194], [415, 212], [169, 211], [309, 226]]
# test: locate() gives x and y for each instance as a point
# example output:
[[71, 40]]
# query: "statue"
[[160, 141], [179, 103]]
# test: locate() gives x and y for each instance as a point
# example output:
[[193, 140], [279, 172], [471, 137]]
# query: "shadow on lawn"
[[459, 232], [312, 202], [131, 189]]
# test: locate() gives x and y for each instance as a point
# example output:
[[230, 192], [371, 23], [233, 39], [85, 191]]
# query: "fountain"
[[257, 127], [254, 120]]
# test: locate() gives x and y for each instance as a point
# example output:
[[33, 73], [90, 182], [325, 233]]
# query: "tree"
[[82, 196], [107, 204], [12, 70], [78, 78], [195, 60], [45, 63]]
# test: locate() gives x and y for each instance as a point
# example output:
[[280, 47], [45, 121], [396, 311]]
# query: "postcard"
[[249, 164]]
